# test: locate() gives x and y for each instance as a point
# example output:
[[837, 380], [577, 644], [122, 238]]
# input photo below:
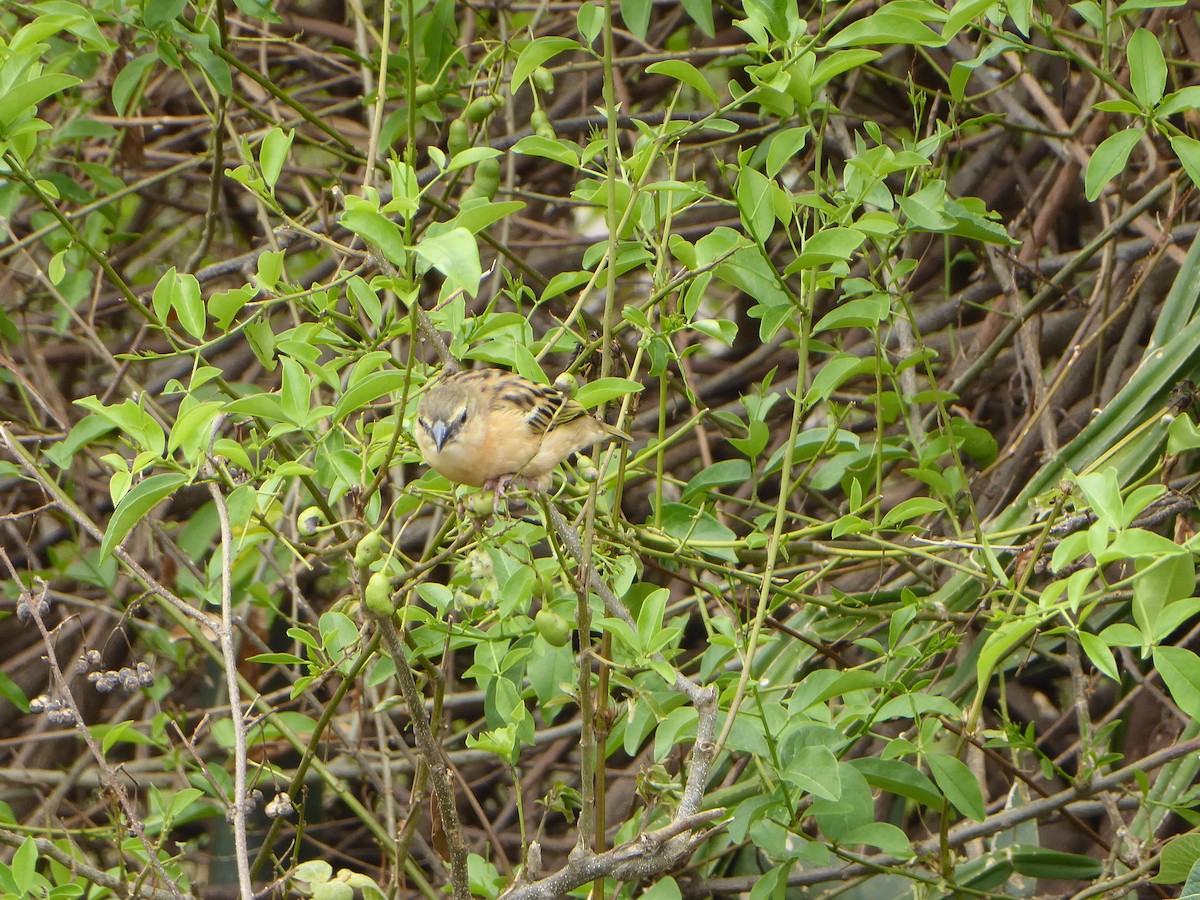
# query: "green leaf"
[[1090, 12], [23, 98], [1191, 889], [537, 53], [829, 245], [258, 9], [189, 305], [1179, 857], [478, 214], [501, 741], [863, 312], [561, 150], [814, 769], [754, 203], [261, 406], [719, 474], [912, 508], [834, 374], [589, 20], [884, 835], [887, 27], [650, 616], [162, 299], [1180, 100], [636, 14], [406, 193], [623, 633], [758, 434], [136, 505], [1180, 671], [701, 12], [603, 390], [684, 72], [224, 306], [82, 433], [783, 145], [1122, 634], [1183, 435], [1147, 68], [129, 79], [158, 13], [364, 219], [1108, 159], [835, 64], [295, 391], [910, 706], [137, 424], [1103, 493], [899, 778], [121, 733], [192, 429], [471, 156], [1188, 151], [697, 529], [1118, 106], [958, 784], [964, 12], [1102, 657], [276, 145], [23, 869], [214, 68], [370, 389], [999, 643], [12, 692], [679, 726], [455, 254]]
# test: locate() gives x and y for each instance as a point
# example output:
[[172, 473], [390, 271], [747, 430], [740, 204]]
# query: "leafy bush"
[[892, 592]]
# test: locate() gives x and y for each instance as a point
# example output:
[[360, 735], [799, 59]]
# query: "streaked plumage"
[[487, 427]]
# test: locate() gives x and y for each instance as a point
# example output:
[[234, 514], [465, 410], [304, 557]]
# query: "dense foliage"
[[892, 595]]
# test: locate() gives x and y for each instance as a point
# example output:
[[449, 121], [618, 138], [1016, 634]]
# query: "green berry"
[[483, 504], [424, 93], [310, 521], [487, 180], [541, 124], [553, 628], [378, 595], [544, 79], [459, 137], [369, 549], [481, 107]]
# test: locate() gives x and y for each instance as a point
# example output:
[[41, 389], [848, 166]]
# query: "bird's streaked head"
[[444, 411]]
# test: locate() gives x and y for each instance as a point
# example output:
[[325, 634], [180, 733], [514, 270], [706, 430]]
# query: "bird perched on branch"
[[487, 427]]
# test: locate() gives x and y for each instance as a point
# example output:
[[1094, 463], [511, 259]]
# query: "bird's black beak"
[[439, 432]]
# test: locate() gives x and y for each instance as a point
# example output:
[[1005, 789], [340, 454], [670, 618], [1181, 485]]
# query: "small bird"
[[487, 427]]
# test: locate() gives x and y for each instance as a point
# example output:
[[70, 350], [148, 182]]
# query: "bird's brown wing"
[[541, 406]]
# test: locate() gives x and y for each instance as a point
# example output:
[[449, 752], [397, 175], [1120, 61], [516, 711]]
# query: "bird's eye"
[[462, 417]]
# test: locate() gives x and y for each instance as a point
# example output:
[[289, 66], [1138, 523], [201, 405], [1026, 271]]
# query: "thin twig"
[[240, 802]]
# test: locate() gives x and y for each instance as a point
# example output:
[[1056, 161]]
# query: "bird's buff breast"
[[476, 465]]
